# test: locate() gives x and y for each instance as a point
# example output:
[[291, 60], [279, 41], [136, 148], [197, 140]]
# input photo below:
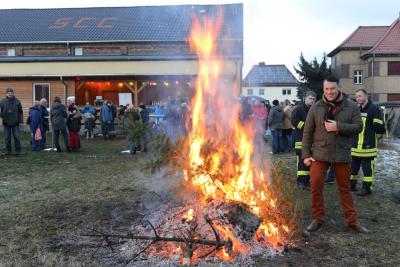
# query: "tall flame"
[[219, 163]]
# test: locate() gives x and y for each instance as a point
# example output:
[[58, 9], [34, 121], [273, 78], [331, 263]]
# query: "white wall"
[[273, 92]]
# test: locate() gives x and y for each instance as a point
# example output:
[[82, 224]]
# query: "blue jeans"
[[35, 143], [277, 140], [43, 141], [14, 130]]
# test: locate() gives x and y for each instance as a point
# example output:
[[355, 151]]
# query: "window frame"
[[34, 91], [358, 77], [261, 90], [78, 49], [250, 90], [11, 54], [389, 73]]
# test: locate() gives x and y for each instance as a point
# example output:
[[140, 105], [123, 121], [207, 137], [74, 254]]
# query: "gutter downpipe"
[[373, 76]]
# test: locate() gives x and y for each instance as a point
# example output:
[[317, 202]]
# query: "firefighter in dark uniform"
[[298, 119], [364, 145]]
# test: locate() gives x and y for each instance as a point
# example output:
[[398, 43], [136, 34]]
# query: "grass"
[[48, 199]]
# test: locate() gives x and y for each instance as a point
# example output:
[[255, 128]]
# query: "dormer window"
[[11, 52]]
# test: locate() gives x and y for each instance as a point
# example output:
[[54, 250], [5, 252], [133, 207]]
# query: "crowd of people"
[[335, 135], [67, 120]]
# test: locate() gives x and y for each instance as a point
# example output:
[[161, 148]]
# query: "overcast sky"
[[275, 31]]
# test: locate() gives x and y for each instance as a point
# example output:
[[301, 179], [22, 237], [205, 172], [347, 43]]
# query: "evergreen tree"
[[312, 75]]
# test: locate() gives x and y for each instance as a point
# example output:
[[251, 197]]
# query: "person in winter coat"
[[298, 120], [73, 125], [275, 124], [113, 109], [89, 115], [287, 126], [58, 117], [106, 120], [36, 125], [132, 117], [364, 145], [328, 130], [11, 113], [45, 119]]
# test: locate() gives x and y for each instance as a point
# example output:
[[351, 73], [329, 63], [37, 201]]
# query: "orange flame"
[[220, 148], [188, 217]]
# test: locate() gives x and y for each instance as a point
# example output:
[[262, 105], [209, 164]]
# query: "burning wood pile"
[[232, 207]]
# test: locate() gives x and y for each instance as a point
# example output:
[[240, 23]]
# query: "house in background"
[[370, 59], [124, 54], [270, 82]]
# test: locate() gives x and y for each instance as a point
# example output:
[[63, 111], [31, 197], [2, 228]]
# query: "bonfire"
[[234, 205]]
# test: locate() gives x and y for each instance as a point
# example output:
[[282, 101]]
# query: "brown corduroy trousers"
[[317, 176]]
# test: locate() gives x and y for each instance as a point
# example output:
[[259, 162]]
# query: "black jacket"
[[145, 115], [45, 118], [364, 144], [58, 116], [298, 120], [73, 119], [11, 111], [275, 118]]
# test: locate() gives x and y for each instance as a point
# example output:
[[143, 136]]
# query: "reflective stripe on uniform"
[[364, 152], [303, 173], [353, 177], [378, 121], [370, 179], [300, 125], [361, 135], [297, 145], [364, 155]]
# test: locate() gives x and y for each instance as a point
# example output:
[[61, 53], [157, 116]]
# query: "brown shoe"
[[359, 228], [313, 226]]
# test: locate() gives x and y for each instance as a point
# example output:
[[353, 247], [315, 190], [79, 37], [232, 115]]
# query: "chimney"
[[261, 63]]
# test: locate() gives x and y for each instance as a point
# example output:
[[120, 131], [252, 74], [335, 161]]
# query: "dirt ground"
[[48, 200]]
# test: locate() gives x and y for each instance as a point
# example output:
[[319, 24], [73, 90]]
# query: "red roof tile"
[[390, 41], [365, 36], [362, 37]]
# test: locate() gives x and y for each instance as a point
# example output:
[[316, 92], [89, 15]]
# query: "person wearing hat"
[[12, 116]]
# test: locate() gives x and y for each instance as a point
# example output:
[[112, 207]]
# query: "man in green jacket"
[[11, 113], [328, 130]]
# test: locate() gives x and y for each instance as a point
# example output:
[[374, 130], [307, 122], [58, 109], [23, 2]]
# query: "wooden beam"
[[142, 87], [135, 90]]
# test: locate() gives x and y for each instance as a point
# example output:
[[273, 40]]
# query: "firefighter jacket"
[[298, 120], [365, 143]]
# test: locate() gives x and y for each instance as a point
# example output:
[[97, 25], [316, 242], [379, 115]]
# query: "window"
[[41, 90], [393, 97], [78, 51], [249, 91], [357, 77], [393, 68], [261, 91], [286, 91], [11, 52]]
